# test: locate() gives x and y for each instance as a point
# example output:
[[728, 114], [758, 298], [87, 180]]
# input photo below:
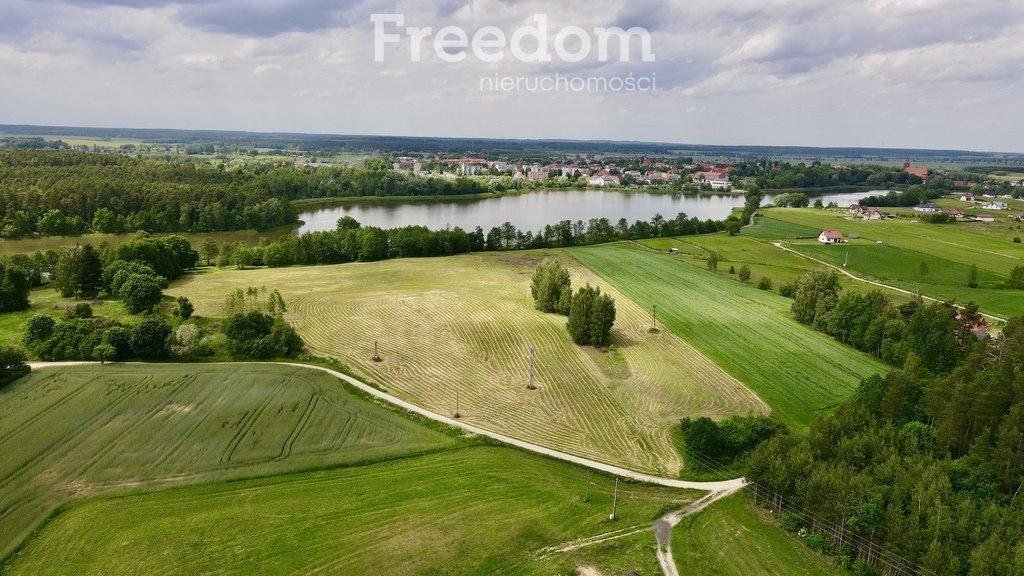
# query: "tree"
[[105, 221], [713, 259], [12, 364], [744, 273], [79, 272], [816, 295], [105, 352], [15, 286], [38, 329], [209, 250], [149, 339], [1016, 278], [184, 308], [140, 293], [550, 280], [972, 276], [922, 269], [591, 317]]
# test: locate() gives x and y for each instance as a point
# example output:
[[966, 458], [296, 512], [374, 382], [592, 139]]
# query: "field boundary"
[[718, 486]]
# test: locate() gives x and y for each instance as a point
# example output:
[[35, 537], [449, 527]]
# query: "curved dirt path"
[[852, 276]]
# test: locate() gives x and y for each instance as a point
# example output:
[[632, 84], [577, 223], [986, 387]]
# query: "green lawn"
[[772, 229], [46, 300], [733, 538], [990, 246], [72, 433], [747, 331], [477, 510]]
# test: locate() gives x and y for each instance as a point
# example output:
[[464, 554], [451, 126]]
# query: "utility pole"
[[654, 317], [615, 499], [586, 495], [531, 385], [376, 355], [457, 415]]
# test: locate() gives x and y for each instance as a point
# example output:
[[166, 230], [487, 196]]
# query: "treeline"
[[351, 242], [775, 175], [66, 193], [926, 464], [910, 197], [590, 313], [938, 334]]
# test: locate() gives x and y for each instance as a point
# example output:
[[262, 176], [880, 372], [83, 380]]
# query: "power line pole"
[[586, 495], [654, 317], [615, 499], [531, 385], [457, 415]]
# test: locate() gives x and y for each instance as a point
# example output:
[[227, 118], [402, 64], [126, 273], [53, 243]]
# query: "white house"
[[872, 214], [985, 218], [967, 197], [928, 208], [831, 237], [995, 206], [603, 180]]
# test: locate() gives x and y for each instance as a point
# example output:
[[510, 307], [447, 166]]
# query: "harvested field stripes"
[[467, 323]]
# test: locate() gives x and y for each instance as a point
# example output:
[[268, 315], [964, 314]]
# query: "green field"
[[44, 243], [948, 250], [747, 331], [733, 538], [46, 300], [467, 323], [476, 510], [72, 433], [990, 246]]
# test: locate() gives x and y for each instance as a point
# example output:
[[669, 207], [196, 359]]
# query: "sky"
[[874, 73]]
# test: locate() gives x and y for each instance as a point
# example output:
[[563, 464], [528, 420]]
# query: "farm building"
[[831, 237], [927, 208], [985, 218]]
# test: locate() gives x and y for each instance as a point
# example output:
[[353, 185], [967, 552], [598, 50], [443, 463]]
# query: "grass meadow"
[[475, 510], [466, 323], [71, 433]]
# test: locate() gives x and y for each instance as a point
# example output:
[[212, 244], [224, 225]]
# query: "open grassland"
[[46, 300], [747, 331], [467, 322], [733, 538], [476, 510], [990, 246], [948, 251], [71, 433], [44, 243]]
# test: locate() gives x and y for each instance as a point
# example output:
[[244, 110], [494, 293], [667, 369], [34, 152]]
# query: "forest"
[[925, 465]]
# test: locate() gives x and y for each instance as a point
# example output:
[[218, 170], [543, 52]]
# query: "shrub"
[[765, 283], [140, 292], [1016, 239], [38, 329], [80, 310], [261, 336], [12, 365], [184, 308], [744, 273]]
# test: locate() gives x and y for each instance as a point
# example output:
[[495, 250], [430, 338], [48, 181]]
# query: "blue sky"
[[914, 73]]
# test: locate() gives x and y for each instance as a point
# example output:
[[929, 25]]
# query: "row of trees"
[[591, 314], [779, 175], [351, 242]]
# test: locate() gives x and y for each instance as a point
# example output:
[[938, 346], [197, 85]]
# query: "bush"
[[187, 340], [787, 290], [744, 273], [765, 283], [261, 336], [591, 317], [80, 310], [12, 365], [184, 308], [120, 338], [1016, 239], [38, 329]]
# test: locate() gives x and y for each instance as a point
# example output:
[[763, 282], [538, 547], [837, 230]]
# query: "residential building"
[[831, 237]]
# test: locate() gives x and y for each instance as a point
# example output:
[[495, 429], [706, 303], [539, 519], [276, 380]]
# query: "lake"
[[533, 210]]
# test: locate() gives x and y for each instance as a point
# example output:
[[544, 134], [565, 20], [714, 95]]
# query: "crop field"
[[990, 246], [475, 510], [747, 331], [733, 538], [72, 433], [465, 324], [44, 243]]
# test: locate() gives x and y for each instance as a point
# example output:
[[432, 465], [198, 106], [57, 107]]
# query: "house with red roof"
[[919, 171], [831, 237]]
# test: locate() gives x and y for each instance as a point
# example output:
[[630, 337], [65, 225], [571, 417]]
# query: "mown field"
[[732, 538], [748, 332], [76, 432], [466, 323], [476, 510]]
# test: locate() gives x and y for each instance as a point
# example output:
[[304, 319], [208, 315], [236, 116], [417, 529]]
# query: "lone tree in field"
[[972, 276], [209, 250], [745, 273], [591, 317], [551, 288], [713, 259]]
